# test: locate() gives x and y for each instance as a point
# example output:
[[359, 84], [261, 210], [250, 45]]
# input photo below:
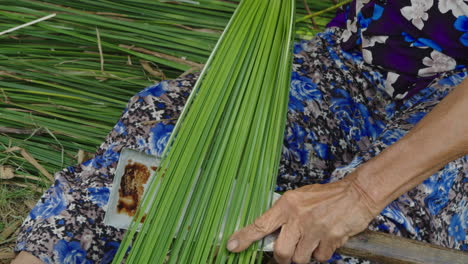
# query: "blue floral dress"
[[340, 115], [414, 40]]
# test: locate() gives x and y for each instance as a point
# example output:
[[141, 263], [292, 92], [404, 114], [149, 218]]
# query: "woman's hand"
[[315, 220]]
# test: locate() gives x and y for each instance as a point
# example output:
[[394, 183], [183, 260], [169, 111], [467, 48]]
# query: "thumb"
[[266, 224]]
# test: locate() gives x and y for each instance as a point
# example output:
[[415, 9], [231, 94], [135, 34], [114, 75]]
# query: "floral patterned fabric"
[[339, 117], [413, 40]]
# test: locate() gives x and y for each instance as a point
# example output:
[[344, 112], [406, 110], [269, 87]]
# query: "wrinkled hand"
[[315, 220]]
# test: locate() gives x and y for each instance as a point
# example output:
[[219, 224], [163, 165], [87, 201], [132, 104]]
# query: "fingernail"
[[232, 244]]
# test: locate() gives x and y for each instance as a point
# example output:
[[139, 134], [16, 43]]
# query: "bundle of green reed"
[[64, 81], [219, 167]]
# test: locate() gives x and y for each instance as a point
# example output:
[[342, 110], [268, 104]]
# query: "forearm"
[[440, 137]]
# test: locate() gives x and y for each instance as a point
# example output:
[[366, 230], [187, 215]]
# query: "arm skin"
[[440, 137], [317, 219]]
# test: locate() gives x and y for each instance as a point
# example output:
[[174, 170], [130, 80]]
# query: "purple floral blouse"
[[413, 40]]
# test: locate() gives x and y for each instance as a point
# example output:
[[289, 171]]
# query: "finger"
[[285, 245], [324, 250], [304, 250], [266, 224]]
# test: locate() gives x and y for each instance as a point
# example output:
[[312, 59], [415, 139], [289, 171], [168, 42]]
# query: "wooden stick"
[[307, 8], [385, 248]]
